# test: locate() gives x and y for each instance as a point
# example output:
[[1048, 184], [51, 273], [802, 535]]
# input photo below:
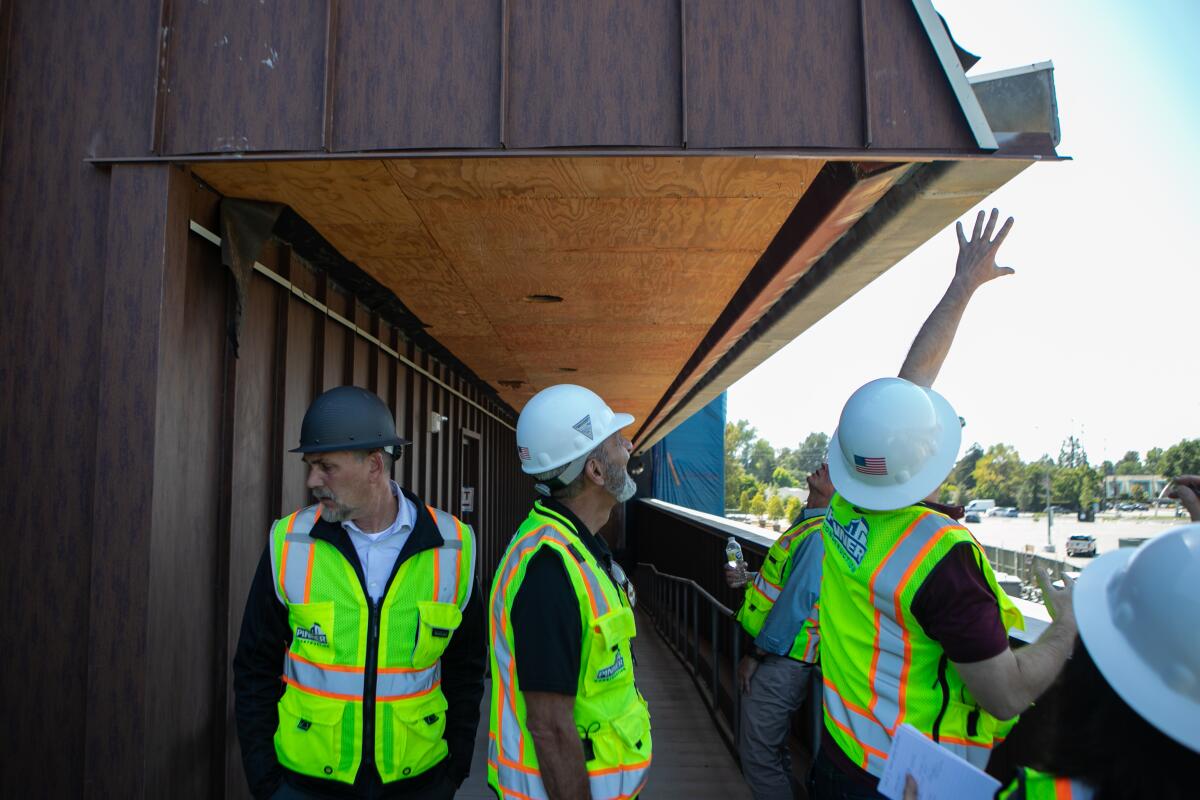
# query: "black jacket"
[[258, 664]]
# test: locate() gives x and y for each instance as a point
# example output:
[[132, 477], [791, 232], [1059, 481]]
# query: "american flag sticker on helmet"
[[523, 452], [870, 466]]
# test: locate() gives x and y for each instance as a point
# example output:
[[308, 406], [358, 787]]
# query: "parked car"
[[980, 506], [971, 517], [1081, 544], [1010, 512]]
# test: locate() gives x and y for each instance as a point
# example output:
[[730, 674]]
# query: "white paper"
[[940, 774]]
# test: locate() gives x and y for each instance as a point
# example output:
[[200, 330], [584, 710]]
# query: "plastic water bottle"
[[733, 552]]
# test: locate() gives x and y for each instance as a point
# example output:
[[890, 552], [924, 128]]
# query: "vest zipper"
[[941, 681], [369, 684]]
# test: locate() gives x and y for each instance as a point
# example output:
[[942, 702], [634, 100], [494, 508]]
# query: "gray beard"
[[619, 483]]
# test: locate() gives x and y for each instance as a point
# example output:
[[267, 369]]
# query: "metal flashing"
[[944, 48]]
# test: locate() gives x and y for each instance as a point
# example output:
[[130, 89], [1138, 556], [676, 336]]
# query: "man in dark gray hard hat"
[[359, 669]]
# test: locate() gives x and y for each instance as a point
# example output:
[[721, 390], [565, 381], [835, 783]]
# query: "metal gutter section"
[[944, 48], [929, 198], [1021, 99]]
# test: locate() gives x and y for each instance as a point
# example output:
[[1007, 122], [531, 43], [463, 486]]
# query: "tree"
[[758, 506], [1138, 492], [1108, 468], [1032, 494], [792, 510], [1069, 484], [963, 474], [1181, 459], [745, 500], [734, 473], [1072, 454], [998, 474], [775, 507], [1089, 489], [811, 454], [762, 460], [948, 494], [1153, 461], [1130, 464], [781, 477], [739, 438]]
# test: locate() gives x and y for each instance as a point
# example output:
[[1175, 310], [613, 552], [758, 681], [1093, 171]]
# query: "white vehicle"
[[980, 506]]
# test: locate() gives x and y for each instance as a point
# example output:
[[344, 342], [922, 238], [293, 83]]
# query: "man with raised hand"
[[914, 627]]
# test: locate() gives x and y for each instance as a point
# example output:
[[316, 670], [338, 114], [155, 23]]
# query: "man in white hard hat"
[[914, 627], [567, 720], [1123, 718]]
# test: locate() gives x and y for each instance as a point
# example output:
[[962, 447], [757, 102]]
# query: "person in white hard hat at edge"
[[914, 627], [567, 719], [1123, 718]]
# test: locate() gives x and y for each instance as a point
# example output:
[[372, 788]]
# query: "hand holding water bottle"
[[736, 575]]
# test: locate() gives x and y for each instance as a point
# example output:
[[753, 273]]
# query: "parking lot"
[[1014, 533]]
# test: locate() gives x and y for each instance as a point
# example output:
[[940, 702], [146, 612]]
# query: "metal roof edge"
[[944, 48]]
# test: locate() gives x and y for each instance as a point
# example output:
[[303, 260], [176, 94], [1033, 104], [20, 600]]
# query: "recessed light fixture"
[[543, 298]]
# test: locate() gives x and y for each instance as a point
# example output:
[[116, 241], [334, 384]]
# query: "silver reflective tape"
[[397, 685], [325, 681]]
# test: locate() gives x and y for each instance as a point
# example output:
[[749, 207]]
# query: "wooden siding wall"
[[223, 76]]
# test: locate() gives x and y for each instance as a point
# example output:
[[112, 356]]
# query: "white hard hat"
[[560, 425], [1137, 611], [895, 443]]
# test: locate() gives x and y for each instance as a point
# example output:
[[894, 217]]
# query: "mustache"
[[324, 494]]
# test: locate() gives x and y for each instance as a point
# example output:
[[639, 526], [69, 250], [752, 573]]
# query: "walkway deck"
[[690, 760]]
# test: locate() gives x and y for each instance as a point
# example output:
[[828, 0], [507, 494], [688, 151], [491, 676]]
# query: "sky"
[[1098, 332]]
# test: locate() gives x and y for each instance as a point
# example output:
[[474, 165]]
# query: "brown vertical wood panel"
[[253, 462], [52, 274], [245, 76], [304, 325], [773, 73], [362, 351], [419, 74], [181, 632], [590, 74], [145, 284], [415, 451], [911, 104]]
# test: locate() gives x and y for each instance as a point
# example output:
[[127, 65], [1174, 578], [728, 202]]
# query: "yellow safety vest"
[[348, 652], [609, 711], [1033, 785], [879, 667], [767, 585]]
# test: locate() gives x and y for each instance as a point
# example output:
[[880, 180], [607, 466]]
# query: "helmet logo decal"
[[584, 426], [851, 539], [870, 466], [523, 452]]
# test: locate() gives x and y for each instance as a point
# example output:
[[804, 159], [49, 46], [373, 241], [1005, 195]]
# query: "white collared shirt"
[[377, 552]]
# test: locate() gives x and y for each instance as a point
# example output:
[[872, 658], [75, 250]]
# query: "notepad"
[[940, 774]]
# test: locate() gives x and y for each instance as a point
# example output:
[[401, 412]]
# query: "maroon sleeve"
[[956, 607]]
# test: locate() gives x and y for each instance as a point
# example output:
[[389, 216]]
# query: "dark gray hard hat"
[[347, 418]]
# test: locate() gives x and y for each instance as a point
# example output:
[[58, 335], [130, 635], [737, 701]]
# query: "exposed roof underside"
[[644, 252]]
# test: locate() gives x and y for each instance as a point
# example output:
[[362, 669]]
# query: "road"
[[1013, 533]]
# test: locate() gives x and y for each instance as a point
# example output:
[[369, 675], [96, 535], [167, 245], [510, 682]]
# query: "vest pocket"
[[626, 739], [413, 736], [436, 624], [309, 737]]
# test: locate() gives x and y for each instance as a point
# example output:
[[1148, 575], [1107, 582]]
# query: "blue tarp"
[[689, 462]]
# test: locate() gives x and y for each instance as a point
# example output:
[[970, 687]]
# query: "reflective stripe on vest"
[[449, 559], [875, 564], [296, 560], [523, 783], [889, 670], [510, 757], [1030, 784], [510, 729], [766, 588]]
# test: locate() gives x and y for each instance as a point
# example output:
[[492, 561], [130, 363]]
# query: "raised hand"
[[977, 255], [820, 488]]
